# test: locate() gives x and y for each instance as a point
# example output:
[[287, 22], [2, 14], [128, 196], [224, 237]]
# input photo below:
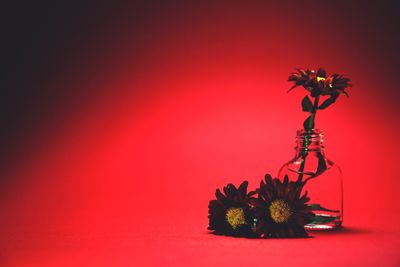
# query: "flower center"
[[320, 78], [235, 217], [280, 211]]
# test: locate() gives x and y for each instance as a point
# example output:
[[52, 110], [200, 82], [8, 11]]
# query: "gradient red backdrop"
[[121, 120]]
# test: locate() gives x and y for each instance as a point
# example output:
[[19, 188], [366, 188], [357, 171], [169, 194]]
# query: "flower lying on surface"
[[280, 210], [230, 213]]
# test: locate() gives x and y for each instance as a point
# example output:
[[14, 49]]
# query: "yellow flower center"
[[235, 217], [320, 78], [280, 211]]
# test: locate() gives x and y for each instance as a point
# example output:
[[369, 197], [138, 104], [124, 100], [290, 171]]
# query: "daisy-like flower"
[[319, 83], [230, 213], [280, 210]]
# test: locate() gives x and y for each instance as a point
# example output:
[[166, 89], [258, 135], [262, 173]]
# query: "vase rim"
[[312, 131], [314, 135]]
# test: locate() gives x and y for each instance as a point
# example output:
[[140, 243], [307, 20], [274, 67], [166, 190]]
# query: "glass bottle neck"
[[309, 141]]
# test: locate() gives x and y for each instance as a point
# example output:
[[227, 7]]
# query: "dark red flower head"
[[280, 209], [319, 82], [230, 213]]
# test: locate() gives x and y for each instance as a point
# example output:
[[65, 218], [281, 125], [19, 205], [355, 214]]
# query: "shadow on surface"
[[312, 234], [342, 231], [256, 237]]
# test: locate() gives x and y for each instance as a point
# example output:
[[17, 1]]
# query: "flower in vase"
[[230, 213], [280, 210], [319, 83]]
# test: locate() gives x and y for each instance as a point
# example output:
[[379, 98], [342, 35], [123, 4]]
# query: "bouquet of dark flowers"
[[277, 208]]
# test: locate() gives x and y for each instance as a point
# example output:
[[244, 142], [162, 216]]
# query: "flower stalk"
[[318, 84], [309, 126]]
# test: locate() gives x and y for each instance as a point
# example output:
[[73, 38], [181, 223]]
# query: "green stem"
[[305, 144], [315, 107]]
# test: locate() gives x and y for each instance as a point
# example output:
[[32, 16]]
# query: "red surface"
[[164, 108]]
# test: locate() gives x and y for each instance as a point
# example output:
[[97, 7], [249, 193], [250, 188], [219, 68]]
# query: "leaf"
[[319, 207], [321, 164], [320, 168], [318, 219], [309, 123], [306, 104], [327, 103]]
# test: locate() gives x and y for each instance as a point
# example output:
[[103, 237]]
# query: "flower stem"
[[306, 142]]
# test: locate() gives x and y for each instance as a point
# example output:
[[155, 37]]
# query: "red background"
[[119, 122]]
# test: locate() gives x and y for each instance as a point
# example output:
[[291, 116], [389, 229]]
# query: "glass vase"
[[322, 177]]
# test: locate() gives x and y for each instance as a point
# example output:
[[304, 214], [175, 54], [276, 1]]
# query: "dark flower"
[[319, 83], [230, 213], [280, 210]]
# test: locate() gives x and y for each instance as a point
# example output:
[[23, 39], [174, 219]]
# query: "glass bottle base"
[[325, 221]]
